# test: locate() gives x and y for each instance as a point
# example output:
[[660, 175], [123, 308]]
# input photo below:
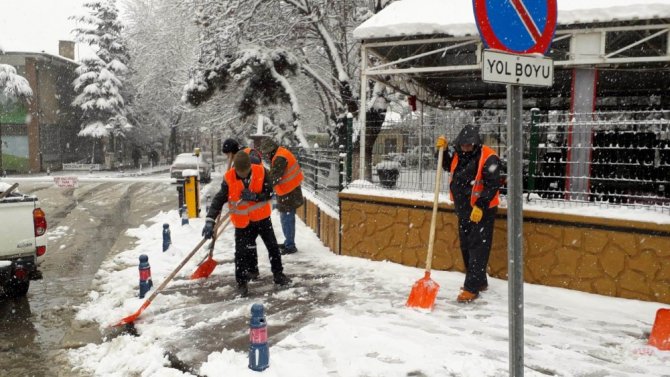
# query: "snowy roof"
[[40, 55], [455, 17]]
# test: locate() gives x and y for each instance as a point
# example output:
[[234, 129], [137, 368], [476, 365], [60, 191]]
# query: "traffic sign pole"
[[520, 28], [515, 228]]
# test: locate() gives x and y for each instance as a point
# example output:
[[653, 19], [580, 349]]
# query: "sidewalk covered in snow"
[[345, 316]]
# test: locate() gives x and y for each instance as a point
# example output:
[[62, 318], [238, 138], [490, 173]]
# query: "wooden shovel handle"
[[433, 218]]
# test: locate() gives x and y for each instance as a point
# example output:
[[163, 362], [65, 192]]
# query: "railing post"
[[340, 168], [350, 146], [316, 170], [534, 141]]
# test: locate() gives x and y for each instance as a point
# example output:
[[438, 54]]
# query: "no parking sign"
[[516, 26], [517, 33]]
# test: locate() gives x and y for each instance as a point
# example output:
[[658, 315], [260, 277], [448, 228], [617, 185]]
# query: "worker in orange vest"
[[230, 147], [247, 190], [286, 177], [474, 185]]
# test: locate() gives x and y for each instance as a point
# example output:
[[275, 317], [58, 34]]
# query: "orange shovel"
[[131, 318], [207, 267], [425, 289]]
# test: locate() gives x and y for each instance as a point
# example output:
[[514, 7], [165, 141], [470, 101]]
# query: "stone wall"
[[629, 259], [326, 227]]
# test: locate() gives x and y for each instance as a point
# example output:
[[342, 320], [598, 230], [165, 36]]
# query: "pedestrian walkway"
[[345, 316]]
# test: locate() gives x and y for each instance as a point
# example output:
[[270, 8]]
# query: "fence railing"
[[78, 166], [322, 169], [618, 158]]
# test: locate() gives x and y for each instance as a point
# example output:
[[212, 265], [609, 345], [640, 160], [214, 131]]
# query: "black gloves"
[[249, 196], [208, 229]]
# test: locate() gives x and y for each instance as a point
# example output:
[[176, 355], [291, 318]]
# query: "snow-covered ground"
[[345, 316]]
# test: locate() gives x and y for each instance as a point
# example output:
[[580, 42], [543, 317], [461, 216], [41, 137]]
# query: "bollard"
[[259, 351], [145, 275], [184, 215], [167, 240]]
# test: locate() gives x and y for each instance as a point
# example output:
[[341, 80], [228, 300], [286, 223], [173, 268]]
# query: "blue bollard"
[[145, 275], [259, 351], [167, 240], [184, 215]]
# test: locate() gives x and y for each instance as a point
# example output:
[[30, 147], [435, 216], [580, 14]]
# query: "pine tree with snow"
[[101, 79], [13, 87]]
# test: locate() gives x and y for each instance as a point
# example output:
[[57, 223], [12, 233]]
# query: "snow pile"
[[346, 316], [456, 17]]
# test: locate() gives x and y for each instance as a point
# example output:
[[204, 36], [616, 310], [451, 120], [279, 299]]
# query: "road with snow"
[[85, 225]]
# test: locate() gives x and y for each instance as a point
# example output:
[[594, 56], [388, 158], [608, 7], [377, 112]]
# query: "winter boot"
[[289, 250], [254, 275], [466, 296], [243, 289], [281, 279]]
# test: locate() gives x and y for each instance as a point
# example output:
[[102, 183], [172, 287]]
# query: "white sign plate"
[[67, 182], [503, 68]]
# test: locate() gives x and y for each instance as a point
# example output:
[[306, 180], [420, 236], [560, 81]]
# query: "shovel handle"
[[433, 218]]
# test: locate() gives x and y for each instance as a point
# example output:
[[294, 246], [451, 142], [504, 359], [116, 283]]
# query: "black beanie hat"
[[230, 146]]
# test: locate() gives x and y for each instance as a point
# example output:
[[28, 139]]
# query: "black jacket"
[[464, 175], [221, 197]]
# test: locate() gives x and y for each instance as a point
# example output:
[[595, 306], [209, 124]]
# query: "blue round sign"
[[516, 26]]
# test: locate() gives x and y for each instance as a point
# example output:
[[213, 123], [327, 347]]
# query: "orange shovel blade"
[[660, 333], [423, 293], [205, 269], [131, 318]]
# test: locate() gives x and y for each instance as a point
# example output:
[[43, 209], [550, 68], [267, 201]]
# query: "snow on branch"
[[12, 85], [295, 105], [323, 83]]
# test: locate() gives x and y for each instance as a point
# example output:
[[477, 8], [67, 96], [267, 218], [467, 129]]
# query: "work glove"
[[476, 214], [249, 196], [208, 229], [441, 142]]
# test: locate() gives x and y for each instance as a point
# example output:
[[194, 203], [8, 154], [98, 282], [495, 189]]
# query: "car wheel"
[[16, 288]]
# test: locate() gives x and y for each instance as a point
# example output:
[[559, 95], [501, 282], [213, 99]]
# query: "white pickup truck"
[[23, 228]]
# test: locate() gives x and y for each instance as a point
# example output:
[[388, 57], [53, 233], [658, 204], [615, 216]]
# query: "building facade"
[[42, 134]]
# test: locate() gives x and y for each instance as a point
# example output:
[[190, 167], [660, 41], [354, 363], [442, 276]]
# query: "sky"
[[38, 25], [345, 317]]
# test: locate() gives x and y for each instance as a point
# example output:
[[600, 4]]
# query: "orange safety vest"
[[478, 187], [292, 176], [248, 151], [241, 211]]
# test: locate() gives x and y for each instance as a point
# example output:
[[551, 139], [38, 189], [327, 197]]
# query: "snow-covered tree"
[[161, 45], [101, 79], [316, 34], [13, 87]]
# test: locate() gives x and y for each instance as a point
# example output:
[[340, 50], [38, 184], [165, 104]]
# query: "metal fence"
[[617, 158], [322, 171]]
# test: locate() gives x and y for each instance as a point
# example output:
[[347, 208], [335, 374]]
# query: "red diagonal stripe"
[[526, 19]]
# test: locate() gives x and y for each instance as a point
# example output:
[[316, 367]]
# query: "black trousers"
[[476, 240], [246, 259]]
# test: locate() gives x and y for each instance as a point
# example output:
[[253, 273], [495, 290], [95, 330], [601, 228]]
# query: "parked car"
[[186, 161], [22, 239]]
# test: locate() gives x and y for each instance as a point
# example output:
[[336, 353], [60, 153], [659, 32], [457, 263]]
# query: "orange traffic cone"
[[660, 333]]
